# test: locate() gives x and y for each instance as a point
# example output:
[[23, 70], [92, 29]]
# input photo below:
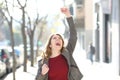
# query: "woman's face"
[[56, 42]]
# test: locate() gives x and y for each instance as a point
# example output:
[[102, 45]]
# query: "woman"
[[58, 63]]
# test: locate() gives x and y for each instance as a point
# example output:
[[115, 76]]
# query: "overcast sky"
[[43, 7]]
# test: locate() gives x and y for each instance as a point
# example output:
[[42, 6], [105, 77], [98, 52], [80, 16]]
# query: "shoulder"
[[40, 62], [65, 50]]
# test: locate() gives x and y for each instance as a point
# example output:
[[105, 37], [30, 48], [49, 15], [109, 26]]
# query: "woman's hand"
[[66, 11], [45, 69]]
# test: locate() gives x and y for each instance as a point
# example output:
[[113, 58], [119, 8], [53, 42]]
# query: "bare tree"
[[43, 23], [22, 7], [10, 23], [1, 17], [31, 37]]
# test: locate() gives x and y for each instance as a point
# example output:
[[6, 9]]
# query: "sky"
[[43, 7], [51, 7], [47, 6]]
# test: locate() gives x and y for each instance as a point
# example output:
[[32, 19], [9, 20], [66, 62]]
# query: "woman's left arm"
[[73, 34]]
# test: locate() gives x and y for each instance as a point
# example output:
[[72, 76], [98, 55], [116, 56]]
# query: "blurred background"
[[25, 26]]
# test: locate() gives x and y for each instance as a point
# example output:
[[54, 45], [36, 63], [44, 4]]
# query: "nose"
[[58, 38]]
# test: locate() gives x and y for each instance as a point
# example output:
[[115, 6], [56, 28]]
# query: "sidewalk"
[[99, 71], [20, 75], [95, 71]]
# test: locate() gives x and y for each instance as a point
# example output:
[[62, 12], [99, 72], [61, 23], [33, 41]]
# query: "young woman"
[[58, 63]]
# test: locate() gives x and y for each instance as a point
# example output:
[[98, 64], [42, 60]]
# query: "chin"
[[58, 48]]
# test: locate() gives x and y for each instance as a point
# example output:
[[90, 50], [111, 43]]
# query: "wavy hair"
[[48, 51]]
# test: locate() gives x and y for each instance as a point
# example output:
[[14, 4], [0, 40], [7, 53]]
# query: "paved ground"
[[95, 71]]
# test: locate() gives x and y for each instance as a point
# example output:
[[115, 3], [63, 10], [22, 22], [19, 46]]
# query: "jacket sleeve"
[[73, 36], [39, 76]]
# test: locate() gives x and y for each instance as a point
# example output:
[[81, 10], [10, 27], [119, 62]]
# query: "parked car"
[[7, 58], [2, 68], [19, 55]]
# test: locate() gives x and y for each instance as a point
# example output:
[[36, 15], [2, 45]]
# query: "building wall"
[[115, 30], [88, 4], [119, 34], [78, 14], [88, 14], [115, 37]]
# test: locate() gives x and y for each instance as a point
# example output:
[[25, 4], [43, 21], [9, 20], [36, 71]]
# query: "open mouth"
[[57, 44]]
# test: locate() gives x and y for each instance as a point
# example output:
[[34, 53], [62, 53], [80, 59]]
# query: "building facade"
[[109, 33], [102, 27]]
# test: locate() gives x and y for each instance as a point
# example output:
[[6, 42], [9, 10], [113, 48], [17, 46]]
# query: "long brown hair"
[[48, 51]]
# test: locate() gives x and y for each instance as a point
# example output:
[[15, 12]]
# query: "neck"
[[55, 53]]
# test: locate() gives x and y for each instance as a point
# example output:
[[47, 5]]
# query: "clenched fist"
[[66, 11], [45, 69]]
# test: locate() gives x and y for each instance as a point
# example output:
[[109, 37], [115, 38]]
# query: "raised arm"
[[73, 35]]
